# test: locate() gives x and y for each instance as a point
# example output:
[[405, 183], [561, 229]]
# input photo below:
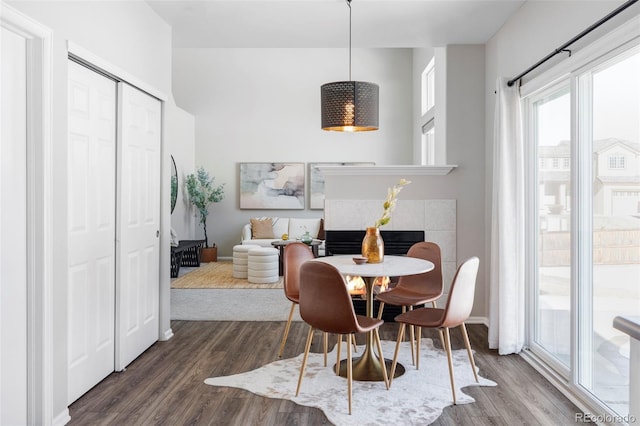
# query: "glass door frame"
[[625, 40]]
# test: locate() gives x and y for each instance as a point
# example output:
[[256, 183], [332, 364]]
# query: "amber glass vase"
[[373, 246]]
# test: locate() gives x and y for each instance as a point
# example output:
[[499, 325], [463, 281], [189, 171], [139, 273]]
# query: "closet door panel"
[[139, 223], [91, 228]]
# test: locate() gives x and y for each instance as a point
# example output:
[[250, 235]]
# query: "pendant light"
[[349, 106]]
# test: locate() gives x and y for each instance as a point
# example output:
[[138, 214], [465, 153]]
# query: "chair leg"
[[468, 345], [447, 340], [338, 356], [286, 330], [435, 305], [304, 359], [384, 367], [349, 374], [418, 338], [353, 341], [395, 353], [325, 344], [380, 309], [411, 339]]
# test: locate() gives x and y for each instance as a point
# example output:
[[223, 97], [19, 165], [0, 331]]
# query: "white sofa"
[[293, 227]]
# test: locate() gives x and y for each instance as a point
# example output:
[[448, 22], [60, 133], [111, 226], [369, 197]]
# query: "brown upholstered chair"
[[455, 313], [419, 289], [325, 304], [295, 254]]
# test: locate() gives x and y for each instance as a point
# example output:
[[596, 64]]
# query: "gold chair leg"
[[380, 309], [325, 344], [469, 353], [384, 367], [418, 348], [447, 340], [395, 353], [286, 330], [349, 374], [304, 359], [338, 356], [433, 302]]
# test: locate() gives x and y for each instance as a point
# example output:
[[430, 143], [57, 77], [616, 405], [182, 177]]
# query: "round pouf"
[[263, 265], [240, 259]]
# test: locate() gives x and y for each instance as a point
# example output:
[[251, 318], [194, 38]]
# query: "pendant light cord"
[[349, 4]]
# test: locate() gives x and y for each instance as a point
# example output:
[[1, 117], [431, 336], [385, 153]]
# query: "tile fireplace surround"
[[437, 218]]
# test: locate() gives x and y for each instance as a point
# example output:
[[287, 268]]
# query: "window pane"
[[552, 124], [616, 229]]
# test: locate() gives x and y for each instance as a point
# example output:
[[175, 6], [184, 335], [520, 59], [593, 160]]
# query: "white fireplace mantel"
[[408, 170]]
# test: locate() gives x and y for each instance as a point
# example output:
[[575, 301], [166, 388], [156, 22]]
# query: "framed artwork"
[[316, 182], [272, 186]]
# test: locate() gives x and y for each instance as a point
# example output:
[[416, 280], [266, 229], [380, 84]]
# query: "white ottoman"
[[240, 259], [263, 265]]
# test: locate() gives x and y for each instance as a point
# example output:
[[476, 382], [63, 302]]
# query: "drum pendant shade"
[[349, 106]]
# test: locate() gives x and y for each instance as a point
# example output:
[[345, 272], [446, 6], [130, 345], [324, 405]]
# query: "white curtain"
[[506, 309]]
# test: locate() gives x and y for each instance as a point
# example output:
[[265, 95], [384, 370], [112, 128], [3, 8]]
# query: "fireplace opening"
[[350, 241]]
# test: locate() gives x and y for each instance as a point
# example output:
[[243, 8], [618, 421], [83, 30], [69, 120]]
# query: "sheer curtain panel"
[[506, 311]]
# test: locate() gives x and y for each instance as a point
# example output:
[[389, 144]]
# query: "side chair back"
[[295, 254], [431, 281], [325, 302], [461, 294]]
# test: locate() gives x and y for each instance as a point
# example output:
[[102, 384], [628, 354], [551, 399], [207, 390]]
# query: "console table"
[[187, 253]]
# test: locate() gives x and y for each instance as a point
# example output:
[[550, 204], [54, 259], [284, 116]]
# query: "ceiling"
[[325, 23]]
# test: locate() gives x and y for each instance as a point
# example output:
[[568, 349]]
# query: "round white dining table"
[[368, 367]]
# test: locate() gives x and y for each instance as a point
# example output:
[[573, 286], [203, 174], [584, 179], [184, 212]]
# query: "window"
[[583, 227], [428, 87], [428, 148], [616, 162]]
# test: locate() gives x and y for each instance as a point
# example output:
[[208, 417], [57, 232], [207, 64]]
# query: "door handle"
[[157, 233]]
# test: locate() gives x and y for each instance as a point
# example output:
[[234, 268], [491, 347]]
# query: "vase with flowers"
[[373, 244]]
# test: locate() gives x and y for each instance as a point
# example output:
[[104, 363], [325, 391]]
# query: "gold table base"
[[365, 371]]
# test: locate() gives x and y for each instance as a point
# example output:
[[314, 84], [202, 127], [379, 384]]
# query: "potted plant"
[[202, 193]]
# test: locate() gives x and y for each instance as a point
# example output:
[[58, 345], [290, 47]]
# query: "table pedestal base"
[[369, 370]]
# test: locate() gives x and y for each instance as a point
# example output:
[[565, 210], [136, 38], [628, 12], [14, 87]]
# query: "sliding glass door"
[[584, 227], [610, 261], [551, 115]]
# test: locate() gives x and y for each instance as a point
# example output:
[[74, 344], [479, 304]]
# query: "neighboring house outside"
[[616, 202], [616, 177]]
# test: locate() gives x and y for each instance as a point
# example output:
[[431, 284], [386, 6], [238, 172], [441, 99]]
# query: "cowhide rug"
[[415, 398]]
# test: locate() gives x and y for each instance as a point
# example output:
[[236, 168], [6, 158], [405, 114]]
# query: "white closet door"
[[91, 228], [139, 127], [13, 229]]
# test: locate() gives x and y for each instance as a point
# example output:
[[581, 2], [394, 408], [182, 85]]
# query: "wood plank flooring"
[[165, 385]]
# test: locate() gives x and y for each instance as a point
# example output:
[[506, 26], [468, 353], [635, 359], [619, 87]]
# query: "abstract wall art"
[[272, 186]]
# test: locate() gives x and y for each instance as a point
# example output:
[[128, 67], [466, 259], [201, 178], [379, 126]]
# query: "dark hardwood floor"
[[165, 385]]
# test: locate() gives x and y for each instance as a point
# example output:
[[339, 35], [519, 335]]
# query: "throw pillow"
[[261, 228]]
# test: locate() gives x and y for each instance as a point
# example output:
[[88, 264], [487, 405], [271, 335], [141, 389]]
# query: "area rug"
[[217, 275], [415, 398]]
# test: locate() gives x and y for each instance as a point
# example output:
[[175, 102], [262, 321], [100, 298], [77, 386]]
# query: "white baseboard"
[[168, 334], [62, 418], [478, 320]]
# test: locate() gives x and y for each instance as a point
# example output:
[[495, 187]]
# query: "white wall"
[[180, 128], [464, 126], [537, 29], [263, 105], [130, 36]]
